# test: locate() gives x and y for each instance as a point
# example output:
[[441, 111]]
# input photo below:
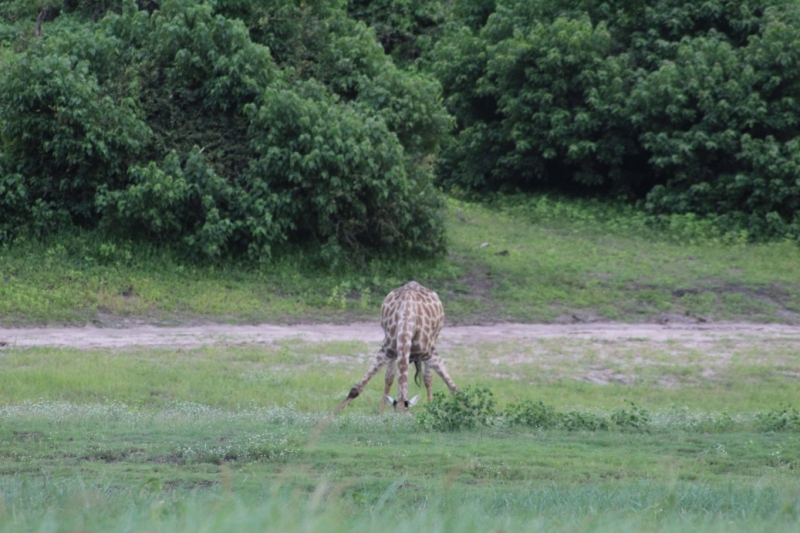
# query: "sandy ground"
[[91, 337]]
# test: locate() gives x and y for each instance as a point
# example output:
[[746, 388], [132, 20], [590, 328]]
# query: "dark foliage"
[[689, 106], [227, 128], [783, 419], [406, 28]]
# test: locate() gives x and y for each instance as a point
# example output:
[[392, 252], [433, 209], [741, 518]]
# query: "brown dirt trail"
[[91, 337]]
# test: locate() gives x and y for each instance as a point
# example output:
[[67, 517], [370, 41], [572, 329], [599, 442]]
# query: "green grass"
[[549, 259], [546, 260], [239, 438], [108, 467], [736, 374]]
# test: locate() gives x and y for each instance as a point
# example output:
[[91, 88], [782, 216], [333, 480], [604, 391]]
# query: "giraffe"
[[411, 317]]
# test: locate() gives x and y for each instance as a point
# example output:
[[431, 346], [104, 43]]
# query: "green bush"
[[689, 107], [532, 414], [549, 119], [191, 206], [635, 420], [177, 123], [722, 144], [63, 133], [352, 65], [466, 409], [785, 419], [338, 175]]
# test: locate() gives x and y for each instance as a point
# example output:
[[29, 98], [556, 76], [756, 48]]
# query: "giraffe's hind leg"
[[427, 377], [437, 364], [358, 388], [391, 371]]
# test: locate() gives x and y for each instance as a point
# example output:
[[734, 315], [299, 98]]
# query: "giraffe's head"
[[411, 403]]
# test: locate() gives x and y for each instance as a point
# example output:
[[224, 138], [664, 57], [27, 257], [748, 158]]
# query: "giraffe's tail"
[[417, 370]]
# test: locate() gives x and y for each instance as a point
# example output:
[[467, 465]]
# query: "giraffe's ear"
[[413, 401], [391, 400]]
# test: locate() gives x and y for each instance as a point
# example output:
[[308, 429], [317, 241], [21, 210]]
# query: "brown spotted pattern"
[[411, 317]]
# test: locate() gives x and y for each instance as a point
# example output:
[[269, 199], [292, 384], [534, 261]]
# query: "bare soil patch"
[[91, 337], [666, 355]]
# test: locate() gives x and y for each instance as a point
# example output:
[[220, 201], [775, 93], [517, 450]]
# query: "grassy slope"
[[584, 259], [545, 261]]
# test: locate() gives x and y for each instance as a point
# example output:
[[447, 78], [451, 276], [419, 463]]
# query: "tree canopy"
[[202, 125], [690, 107], [235, 127]]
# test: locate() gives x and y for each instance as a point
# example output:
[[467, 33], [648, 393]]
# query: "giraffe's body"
[[411, 317]]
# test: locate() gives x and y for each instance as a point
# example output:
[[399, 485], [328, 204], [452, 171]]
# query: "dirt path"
[[153, 336]]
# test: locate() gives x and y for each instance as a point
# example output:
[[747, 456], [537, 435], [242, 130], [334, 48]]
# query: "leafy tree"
[[176, 124], [405, 28], [341, 175], [63, 132], [691, 107]]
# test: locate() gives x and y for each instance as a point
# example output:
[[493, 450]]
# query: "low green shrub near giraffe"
[[475, 407]]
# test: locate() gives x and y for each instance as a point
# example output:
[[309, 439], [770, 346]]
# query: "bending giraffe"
[[411, 317]]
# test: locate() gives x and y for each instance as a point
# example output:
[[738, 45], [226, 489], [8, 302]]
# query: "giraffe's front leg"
[[438, 365], [391, 370], [379, 361]]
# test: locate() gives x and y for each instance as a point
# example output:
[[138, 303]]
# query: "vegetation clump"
[[474, 407], [466, 409], [194, 125], [689, 108], [783, 419], [531, 414]]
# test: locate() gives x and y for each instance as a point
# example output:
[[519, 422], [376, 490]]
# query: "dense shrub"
[[475, 407], [783, 419], [532, 414], [405, 28], [63, 132], [466, 409], [176, 122], [634, 419], [339, 175], [689, 106], [187, 203], [548, 118], [352, 65]]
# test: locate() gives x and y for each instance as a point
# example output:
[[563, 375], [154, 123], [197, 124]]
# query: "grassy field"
[[640, 434], [223, 438], [735, 375], [111, 468], [530, 260]]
